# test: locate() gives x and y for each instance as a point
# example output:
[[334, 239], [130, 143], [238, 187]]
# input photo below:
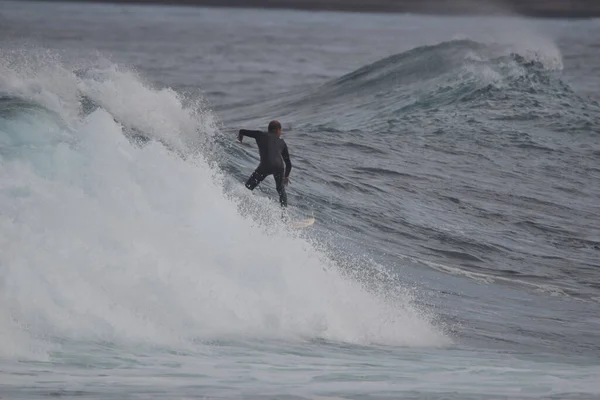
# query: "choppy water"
[[451, 163]]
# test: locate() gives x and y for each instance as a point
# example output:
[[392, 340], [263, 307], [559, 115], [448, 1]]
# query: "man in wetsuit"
[[273, 153]]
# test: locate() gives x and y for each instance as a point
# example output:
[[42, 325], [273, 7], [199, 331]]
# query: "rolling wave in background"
[[459, 76]]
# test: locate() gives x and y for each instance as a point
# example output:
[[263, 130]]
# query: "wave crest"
[[457, 75]]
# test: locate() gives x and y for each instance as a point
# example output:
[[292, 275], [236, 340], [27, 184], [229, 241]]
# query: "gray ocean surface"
[[452, 165]]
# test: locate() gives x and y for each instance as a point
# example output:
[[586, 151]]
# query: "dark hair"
[[274, 126]]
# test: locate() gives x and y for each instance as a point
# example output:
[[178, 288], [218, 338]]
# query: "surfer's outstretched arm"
[[249, 133]]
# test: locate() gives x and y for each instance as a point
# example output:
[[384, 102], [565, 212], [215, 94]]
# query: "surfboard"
[[301, 223]]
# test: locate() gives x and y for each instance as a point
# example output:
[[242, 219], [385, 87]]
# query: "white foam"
[[106, 241]]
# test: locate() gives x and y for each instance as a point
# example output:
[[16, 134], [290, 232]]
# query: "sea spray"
[[105, 240]]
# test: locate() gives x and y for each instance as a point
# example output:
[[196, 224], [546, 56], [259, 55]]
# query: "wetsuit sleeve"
[[288, 163], [252, 134]]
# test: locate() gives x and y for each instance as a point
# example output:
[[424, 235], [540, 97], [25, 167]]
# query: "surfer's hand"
[[286, 180]]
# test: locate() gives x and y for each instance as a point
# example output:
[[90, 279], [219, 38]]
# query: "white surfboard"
[[301, 223]]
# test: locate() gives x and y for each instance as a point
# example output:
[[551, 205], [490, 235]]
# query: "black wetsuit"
[[273, 153]]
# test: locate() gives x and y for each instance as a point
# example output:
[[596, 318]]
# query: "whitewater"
[[454, 178]]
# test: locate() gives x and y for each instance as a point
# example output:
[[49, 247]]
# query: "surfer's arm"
[[249, 133], [288, 163]]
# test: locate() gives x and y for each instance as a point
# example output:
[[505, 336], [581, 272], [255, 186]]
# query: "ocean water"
[[452, 166]]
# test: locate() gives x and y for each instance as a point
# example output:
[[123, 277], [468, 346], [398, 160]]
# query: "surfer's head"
[[275, 127]]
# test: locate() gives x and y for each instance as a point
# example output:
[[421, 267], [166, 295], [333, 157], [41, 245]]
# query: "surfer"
[[273, 153]]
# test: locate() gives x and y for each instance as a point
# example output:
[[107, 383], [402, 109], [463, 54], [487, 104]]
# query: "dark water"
[[451, 164]]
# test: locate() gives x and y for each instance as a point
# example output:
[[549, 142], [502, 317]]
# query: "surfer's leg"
[[256, 178], [278, 175]]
